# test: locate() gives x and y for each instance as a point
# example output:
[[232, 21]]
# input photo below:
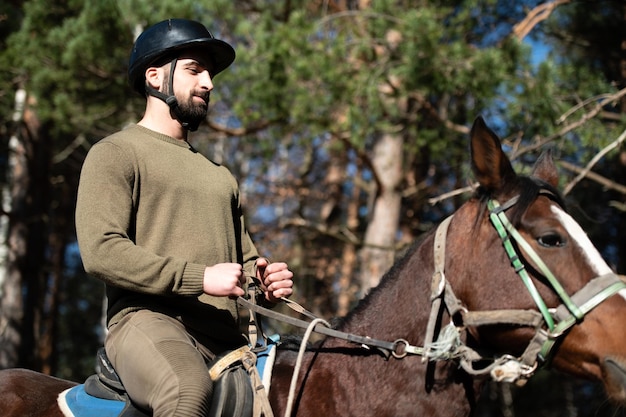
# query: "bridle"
[[550, 324], [445, 342]]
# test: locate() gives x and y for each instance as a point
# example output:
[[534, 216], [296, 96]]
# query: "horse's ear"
[[546, 170], [490, 164]]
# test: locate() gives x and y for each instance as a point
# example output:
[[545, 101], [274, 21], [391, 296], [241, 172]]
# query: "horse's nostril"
[[616, 378]]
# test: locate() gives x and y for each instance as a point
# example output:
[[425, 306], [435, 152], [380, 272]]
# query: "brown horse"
[[487, 299], [506, 285]]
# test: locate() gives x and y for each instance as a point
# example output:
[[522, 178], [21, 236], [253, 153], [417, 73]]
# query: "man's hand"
[[222, 280], [276, 279]]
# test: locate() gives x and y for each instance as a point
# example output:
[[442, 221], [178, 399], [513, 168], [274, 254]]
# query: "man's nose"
[[206, 82]]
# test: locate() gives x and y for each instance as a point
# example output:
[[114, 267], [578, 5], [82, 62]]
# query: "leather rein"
[[549, 324]]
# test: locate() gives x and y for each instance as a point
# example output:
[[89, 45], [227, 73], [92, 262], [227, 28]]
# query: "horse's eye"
[[551, 240]]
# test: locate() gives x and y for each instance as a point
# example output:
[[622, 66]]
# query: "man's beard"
[[191, 112]]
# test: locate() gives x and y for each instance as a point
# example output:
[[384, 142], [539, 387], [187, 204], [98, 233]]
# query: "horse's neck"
[[361, 382], [400, 305]]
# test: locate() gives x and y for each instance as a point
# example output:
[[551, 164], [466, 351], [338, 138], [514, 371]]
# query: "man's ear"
[[154, 77]]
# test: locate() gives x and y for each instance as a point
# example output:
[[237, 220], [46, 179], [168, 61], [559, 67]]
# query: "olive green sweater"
[[151, 214]]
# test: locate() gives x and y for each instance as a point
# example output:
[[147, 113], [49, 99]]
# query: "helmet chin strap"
[[171, 100]]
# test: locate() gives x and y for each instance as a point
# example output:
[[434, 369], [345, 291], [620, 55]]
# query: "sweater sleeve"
[[249, 251], [105, 231]]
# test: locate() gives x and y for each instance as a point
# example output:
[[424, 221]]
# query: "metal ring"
[[395, 352]]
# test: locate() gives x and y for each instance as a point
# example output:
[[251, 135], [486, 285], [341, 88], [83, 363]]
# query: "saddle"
[[106, 385], [104, 395]]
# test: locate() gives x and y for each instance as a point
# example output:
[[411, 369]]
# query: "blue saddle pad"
[[75, 402], [265, 361]]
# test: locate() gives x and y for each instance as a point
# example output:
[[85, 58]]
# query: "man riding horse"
[[163, 227]]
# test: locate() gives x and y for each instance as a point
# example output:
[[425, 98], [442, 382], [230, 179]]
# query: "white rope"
[[447, 344], [296, 370]]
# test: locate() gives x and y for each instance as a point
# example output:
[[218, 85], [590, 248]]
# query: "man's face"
[[192, 87]]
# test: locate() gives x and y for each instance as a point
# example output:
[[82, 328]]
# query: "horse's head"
[[533, 284]]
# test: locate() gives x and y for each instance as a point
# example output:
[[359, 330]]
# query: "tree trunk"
[[26, 222], [13, 244], [30, 185], [349, 259], [377, 256]]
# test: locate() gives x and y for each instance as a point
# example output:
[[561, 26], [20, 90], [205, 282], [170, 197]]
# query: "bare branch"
[[597, 109], [574, 109], [239, 131], [340, 233], [587, 170], [79, 141], [536, 16], [453, 193], [438, 115], [344, 138], [618, 205], [605, 182]]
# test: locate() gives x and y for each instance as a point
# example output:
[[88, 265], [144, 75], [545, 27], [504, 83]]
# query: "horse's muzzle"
[[615, 382]]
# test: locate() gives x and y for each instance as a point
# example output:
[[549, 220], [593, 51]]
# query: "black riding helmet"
[[165, 40]]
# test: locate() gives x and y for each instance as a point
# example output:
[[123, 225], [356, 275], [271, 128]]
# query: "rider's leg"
[[161, 366]]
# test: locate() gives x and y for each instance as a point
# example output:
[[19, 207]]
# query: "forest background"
[[346, 123]]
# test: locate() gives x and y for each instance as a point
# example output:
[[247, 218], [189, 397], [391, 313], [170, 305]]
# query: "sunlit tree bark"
[[12, 245]]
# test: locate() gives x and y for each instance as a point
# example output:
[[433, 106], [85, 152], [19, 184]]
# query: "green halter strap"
[[506, 231]]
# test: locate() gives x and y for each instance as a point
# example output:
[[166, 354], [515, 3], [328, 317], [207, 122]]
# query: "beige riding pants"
[[161, 365]]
